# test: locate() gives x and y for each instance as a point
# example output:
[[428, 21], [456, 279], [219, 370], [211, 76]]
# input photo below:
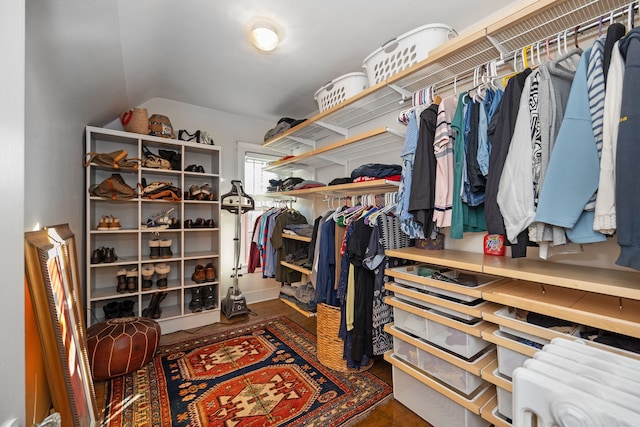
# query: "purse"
[[160, 125], [114, 188], [153, 161], [114, 160]]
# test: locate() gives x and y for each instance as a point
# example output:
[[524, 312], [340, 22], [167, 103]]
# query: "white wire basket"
[[404, 51], [339, 89]]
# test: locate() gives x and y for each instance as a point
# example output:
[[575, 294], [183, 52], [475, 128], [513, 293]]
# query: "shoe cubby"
[[148, 234]]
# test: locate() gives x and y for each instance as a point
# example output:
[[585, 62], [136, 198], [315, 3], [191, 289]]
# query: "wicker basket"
[[136, 120], [330, 346]]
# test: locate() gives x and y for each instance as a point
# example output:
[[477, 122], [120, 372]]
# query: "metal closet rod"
[[582, 28]]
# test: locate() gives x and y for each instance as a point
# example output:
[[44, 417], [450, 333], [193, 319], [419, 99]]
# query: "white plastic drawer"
[[505, 402], [443, 310], [508, 359], [405, 351], [448, 373], [409, 322], [452, 339], [437, 409], [423, 277]]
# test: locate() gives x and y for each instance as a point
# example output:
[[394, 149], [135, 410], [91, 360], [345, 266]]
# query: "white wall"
[[12, 35]]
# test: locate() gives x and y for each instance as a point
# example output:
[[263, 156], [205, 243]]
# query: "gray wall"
[[12, 24]]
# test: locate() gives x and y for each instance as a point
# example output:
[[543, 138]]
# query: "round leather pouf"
[[119, 346]]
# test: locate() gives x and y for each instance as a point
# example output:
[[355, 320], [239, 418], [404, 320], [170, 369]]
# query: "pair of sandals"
[[200, 223]]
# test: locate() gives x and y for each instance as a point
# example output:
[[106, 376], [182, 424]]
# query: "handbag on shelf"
[[114, 160], [160, 190], [135, 120], [153, 161], [160, 125], [114, 188]]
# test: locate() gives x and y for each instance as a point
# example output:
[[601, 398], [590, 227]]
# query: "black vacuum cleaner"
[[237, 202]]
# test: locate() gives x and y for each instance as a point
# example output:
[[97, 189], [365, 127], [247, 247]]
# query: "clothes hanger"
[[506, 78]]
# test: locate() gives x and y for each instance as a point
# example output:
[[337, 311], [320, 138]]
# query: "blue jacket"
[[574, 167], [628, 156]]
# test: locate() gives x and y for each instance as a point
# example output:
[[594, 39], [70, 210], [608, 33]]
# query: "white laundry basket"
[[339, 89], [404, 51]]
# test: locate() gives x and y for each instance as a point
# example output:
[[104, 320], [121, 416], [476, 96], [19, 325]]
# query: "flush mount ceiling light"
[[264, 37]]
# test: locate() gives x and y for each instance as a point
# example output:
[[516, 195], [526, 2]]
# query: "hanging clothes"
[[555, 80], [500, 132], [567, 190], [443, 150], [254, 253], [464, 218], [408, 224], [325, 279], [423, 181], [627, 156], [605, 211]]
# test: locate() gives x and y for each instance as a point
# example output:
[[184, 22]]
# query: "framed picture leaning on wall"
[[52, 276]]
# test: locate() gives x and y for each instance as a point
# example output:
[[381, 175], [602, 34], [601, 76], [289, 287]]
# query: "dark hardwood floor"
[[390, 414]]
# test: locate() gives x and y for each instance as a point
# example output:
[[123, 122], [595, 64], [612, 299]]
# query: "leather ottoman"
[[119, 346]]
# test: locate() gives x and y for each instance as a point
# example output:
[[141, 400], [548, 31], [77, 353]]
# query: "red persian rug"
[[264, 374]]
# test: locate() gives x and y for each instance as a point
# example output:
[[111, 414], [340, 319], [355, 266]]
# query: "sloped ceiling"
[[125, 52], [198, 51]]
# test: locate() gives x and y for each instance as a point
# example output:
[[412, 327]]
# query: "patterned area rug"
[[265, 374]]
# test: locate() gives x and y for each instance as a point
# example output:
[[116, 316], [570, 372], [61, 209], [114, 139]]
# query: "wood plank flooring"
[[392, 414]]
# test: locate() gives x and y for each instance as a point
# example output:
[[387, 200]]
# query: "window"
[[255, 183]]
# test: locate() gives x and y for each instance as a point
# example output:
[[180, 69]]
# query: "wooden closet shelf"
[[296, 267], [298, 309], [489, 374], [380, 140], [489, 411], [296, 237], [470, 261], [619, 283], [342, 190], [606, 312]]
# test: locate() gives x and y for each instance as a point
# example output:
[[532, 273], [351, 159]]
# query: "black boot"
[[111, 310], [153, 305], [126, 308], [158, 311], [196, 300], [209, 298]]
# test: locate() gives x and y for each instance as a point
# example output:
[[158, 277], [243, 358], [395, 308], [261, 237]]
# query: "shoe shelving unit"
[[189, 247]]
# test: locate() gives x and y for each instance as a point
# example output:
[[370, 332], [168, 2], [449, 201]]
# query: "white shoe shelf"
[[189, 247]]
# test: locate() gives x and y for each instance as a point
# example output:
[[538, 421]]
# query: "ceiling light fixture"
[[264, 37]]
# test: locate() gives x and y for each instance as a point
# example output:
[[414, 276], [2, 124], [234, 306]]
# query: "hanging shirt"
[[443, 150], [408, 224]]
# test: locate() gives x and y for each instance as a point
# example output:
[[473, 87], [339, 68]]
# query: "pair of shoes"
[[160, 248], [194, 168], [116, 309], [103, 255], [127, 280], [200, 223], [154, 310], [203, 274], [203, 192], [202, 297], [109, 222], [162, 272], [161, 221]]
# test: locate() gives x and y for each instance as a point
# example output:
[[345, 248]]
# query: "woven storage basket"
[[330, 346], [340, 89], [136, 120], [404, 51]]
